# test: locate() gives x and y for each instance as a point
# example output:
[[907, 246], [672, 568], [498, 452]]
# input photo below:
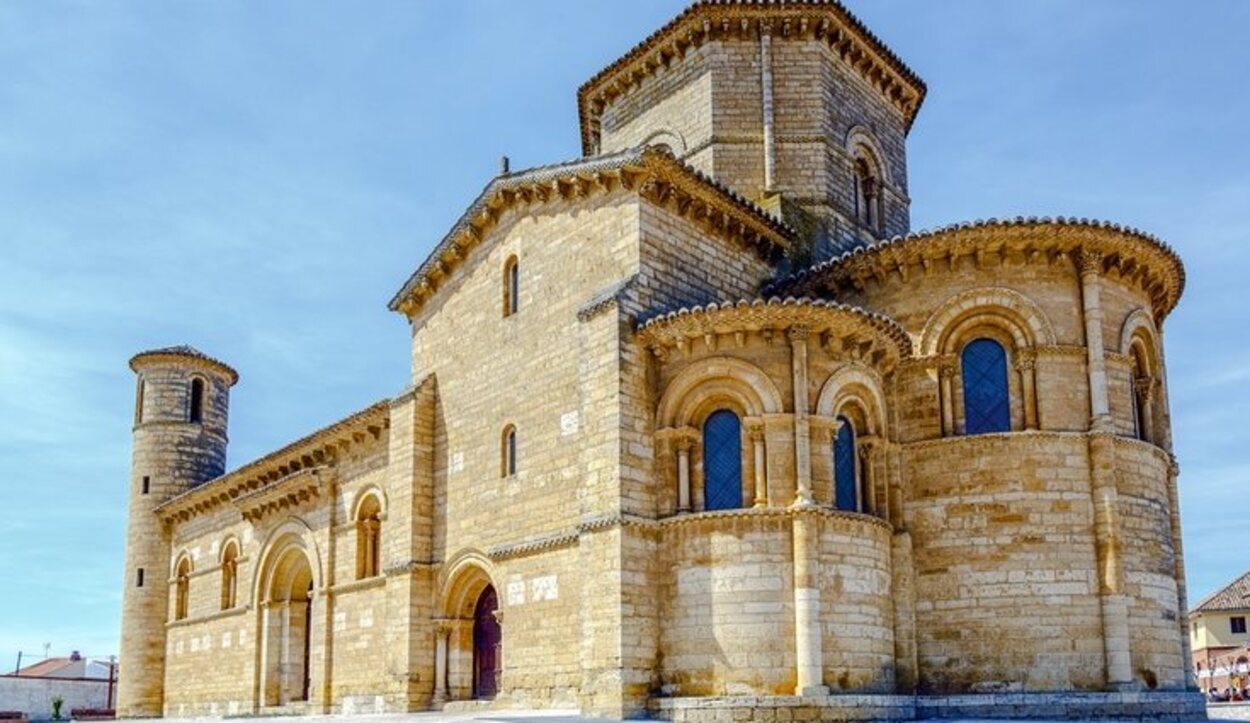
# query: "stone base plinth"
[[1157, 707]]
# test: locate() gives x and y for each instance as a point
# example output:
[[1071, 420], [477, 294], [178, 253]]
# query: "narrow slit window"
[[139, 578], [197, 401], [508, 461], [511, 286], [147, 484]]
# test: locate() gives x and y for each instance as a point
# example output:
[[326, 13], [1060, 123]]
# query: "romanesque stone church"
[[697, 425]]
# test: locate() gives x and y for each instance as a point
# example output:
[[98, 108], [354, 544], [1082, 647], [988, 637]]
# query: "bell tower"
[[182, 399], [792, 103]]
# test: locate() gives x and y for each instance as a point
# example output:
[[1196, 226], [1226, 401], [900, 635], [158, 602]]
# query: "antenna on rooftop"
[[505, 165]]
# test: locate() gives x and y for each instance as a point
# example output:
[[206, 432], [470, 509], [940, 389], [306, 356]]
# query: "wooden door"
[[487, 637]]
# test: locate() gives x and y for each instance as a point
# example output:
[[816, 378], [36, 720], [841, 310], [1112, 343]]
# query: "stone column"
[[756, 434], [766, 84], [808, 654], [1090, 265], [1026, 366], [802, 434], [683, 442], [441, 634], [1114, 603], [946, 401], [1144, 389], [1178, 567], [499, 655], [871, 502]]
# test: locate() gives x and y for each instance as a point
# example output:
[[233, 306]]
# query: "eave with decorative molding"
[[280, 470], [648, 171], [1133, 256], [710, 20], [847, 331]]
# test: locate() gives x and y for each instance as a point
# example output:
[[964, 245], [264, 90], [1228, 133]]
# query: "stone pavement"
[[517, 716]]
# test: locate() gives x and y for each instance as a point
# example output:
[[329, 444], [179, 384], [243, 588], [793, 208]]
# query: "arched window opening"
[[846, 494], [182, 589], [511, 286], [1140, 390], [867, 190], [368, 538], [140, 390], [507, 452], [722, 461], [196, 404], [229, 576], [987, 404]]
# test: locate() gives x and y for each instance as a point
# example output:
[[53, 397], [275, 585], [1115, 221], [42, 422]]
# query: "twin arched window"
[[722, 461], [987, 402], [868, 202], [229, 575], [368, 537]]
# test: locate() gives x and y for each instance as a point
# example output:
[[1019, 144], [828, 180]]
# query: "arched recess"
[[231, 551], [669, 138], [860, 137], [289, 574], [699, 391], [1004, 316], [852, 396], [742, 382], [1139, 342], [465, 583], [1013, 311], [182, 585]]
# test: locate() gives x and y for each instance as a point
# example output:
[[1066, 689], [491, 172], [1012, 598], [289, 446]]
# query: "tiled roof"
[[46, 667], [1233, 596], [186, 352]]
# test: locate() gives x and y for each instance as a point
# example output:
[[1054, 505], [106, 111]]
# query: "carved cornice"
[[293, 491], [650, 172], [824, 21], [1126, 254], [315, 451], [844, 331], [184, 355]]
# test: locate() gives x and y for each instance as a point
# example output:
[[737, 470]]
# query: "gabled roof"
[[1233, 596], [183, 351], [649, 171], [826, 20]]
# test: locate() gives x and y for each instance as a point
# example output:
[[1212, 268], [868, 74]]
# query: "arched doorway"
[[487, 637], [286, 634]]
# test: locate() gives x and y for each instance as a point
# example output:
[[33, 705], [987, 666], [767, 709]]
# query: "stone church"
[[698, 428]]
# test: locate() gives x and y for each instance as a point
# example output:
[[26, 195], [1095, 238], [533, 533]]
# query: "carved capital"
[[1145, 387], [798, 333], [444, 627], [1089, 262], [867, 447], [498, 615], [755, 429], [1026, 360]]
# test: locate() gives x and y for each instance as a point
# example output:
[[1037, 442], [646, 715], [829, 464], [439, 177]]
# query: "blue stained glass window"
[[722, 461], [845, 478], [986, 403]]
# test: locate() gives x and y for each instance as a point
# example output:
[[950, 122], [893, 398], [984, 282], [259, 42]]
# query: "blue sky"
[[257, 179]]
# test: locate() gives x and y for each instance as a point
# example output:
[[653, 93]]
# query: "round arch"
[[363, 494], [717, 377], [292, 535], [854, 383], [667, 137], [862, 136], [1010, 310], [462, 581], [1137, 325]]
